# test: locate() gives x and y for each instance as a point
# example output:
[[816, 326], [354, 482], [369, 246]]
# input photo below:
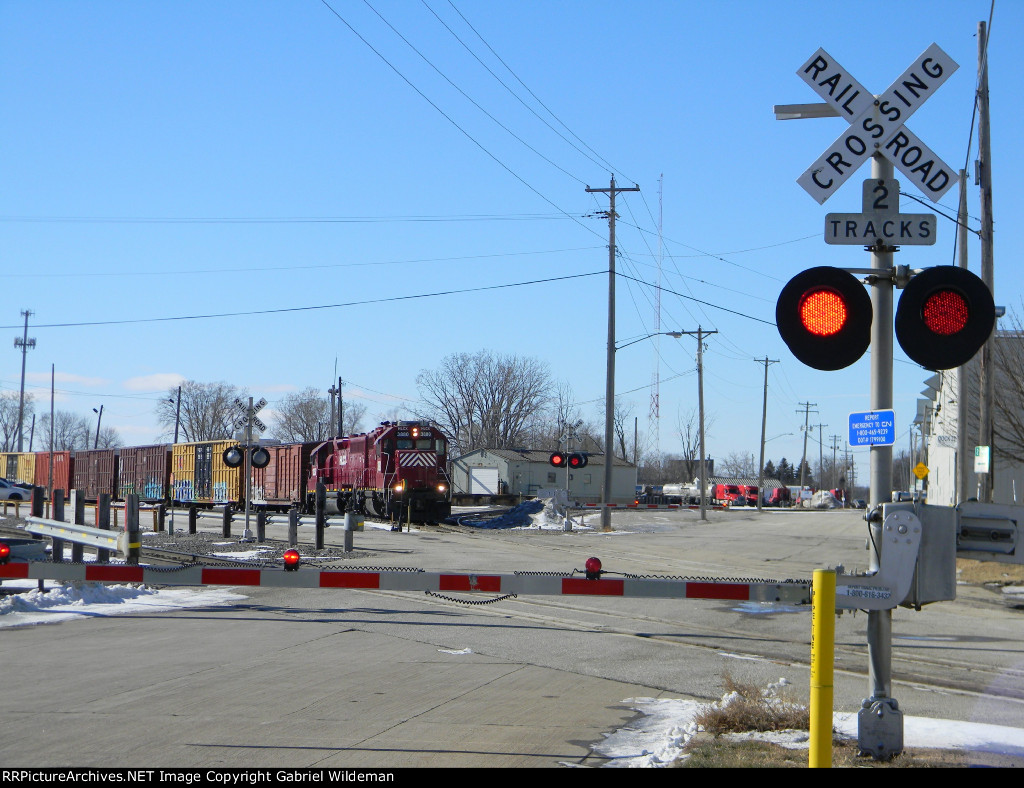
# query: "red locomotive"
[[395, 471]]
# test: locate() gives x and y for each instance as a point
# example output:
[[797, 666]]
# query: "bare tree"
[[738, 466], [1008, 419], [9, 418], [71, 431], [109, 438], [688, 431], [208, 410], [484, 400], [304, 416], [352, 417]]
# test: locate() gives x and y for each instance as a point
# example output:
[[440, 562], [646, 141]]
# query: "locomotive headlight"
[[441, 488], [398, 488]]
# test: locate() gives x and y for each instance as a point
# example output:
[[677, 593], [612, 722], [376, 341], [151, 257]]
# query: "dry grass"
[[988, 572], [747, 707]]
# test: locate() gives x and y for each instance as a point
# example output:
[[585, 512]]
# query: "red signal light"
[[577, 461], [945, 312], [823, 312], [824, 316], [291, 560], [593, 568], [557, 459], [945, 315], [5, 553]]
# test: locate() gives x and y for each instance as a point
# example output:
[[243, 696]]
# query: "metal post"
[[131, 525], [226, 520], [103, 522], [78, 550], [261, 525], [320, 502], [193, 516], [880, 721], [247, 534], [293, 526], [57, 545]]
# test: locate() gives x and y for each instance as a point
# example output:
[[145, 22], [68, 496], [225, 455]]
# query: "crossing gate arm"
[[790, 592]]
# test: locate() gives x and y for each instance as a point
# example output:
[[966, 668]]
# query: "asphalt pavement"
[[346, 678]]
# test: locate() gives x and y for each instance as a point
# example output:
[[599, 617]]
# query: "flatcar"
[[396, 471]]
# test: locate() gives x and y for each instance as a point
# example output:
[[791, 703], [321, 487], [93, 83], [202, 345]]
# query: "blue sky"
[[187, 159]]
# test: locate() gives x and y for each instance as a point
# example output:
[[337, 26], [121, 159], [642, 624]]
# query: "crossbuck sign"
[[877, 124]]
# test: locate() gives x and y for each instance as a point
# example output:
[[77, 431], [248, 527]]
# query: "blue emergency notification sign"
[[873, 428]]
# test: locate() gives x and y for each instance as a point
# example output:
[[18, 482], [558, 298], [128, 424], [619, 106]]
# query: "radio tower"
[[654, 415]]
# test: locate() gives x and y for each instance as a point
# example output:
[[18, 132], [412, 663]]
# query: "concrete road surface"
[[324, 678]]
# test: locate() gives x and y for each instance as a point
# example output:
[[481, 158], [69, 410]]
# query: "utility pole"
[[963, 466], [701, 333], [984, 178], [807, 426], [609, 391], [764, 418], [835, 446], [330, 425], [341, 410], [821, 469], [25, 344]]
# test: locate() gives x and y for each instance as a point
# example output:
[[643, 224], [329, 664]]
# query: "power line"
[[467, 96], [534, 95], [312, 308], [321, 266], [451, 120]]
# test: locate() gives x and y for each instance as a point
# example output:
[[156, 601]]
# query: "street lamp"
[[676, 334], [96, 443], [609, 412]]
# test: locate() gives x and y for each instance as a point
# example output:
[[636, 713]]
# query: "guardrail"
[[79, 534]]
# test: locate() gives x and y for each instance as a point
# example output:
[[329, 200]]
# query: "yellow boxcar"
[[200, 476], [18, 467]]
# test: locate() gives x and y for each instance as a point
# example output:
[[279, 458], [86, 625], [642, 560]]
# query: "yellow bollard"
[[823, 637]]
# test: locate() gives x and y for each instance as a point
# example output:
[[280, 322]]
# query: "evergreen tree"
[[769, 470]]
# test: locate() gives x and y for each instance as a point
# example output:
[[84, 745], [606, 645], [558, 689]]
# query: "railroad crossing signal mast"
[[825, 317]]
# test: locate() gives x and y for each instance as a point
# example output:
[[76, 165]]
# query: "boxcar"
[[63, 469], [18, 467], [95, 472], [145, 471], [283, 482], [199, 474]]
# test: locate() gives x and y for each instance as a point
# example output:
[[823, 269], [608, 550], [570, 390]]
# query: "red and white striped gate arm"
[[794, 593]]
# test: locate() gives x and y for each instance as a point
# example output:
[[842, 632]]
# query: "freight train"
[[397, 470]]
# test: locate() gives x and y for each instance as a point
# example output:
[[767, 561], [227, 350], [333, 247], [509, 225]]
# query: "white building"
[[524, 472], [937, 417]]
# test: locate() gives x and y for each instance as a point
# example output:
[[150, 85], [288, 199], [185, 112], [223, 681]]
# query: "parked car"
[[13, 492], [859, 503]]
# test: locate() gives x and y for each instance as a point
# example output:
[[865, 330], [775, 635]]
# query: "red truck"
[[780, 496], [728, 494]]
